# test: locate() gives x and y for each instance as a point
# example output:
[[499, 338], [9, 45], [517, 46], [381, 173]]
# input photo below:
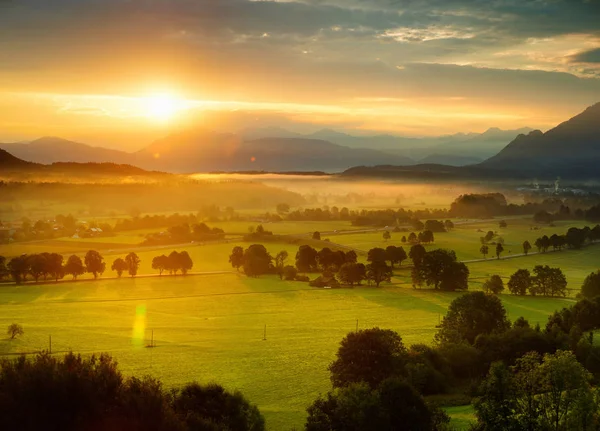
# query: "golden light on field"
[[139, 326], [163, 107]]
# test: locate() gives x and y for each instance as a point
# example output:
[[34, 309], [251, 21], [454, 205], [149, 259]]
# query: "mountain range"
[[570, 150], [272, 149]]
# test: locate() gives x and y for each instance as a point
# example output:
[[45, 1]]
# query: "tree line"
[[52, 266]]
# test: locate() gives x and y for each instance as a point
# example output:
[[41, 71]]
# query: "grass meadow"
[[211, 327]]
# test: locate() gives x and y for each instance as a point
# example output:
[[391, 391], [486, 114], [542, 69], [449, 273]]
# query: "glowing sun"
[[163, 106]]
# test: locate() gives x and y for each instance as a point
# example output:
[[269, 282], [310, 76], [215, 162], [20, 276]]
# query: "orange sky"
[[97, 71]]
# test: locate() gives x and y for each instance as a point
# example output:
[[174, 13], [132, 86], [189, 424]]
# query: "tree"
[[236, 258], [377, 255], [484, 250], [395, 405], [416, 253], [55, 266], [74, 266], [120, 266], [306, 259], [202, 407], [548, 281], [351, 257], [3, 269], [591, 285], [352, 273], [526, 247], [448, 225], [412, 238], [493, 285], [520, 282], [290, 272], [316, 236], [18, 267], [496, 407], [549, 394], [395, 255], [369, 356], [378, 271], [440, 269], [94, 263], [575, 237], [37, 265], [159, 263], [133, 263], [185, 262], [502, 224], [499, 250], [15, 330], [403, 239], [489, 235], [387, 235], [173, 262], [280, 262], [257, 260], [470, 315]]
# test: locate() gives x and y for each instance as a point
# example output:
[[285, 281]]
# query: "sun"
[[162, 107]]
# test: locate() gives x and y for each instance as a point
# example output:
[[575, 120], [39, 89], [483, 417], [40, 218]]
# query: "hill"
[[571, 149], [49, 149], [8, 161]]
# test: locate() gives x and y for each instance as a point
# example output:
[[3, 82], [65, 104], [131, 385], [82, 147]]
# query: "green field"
[[210, 327]]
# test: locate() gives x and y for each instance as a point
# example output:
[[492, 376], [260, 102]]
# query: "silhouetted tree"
[[387, 235], [499, 250], [74, 266], [211, 407], [351, 273], [280, 259], [316, 236], [306, 259], [591, 285], [37, 265], [470, 315], [236, 258], [55, 266], [94, 263], [448, 225], [395, 255], [185, 262], [548, 281], [257, 260], [395, 405], [370, 356], [526, 247], [133, 263], [440, 269], [484, 250], [520, 282], [18, 267], [120, 266], [493, 285], [416, 253]]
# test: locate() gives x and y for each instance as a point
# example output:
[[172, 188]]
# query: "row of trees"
[[53, 266], [50, 265]]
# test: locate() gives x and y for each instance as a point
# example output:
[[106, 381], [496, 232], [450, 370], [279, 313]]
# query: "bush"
[[303, 278]]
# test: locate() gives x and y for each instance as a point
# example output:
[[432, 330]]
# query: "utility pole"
[[265, 334]]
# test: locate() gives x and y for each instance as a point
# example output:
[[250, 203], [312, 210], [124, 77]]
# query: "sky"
[[121, 73]]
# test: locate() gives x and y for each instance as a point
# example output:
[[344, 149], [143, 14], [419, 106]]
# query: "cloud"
[[591, 56]]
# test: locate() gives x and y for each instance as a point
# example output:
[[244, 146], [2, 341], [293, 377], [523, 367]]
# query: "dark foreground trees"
[[72, 393], [549, 393]]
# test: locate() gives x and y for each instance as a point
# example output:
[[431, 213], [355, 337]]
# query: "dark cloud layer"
[[591, 56]]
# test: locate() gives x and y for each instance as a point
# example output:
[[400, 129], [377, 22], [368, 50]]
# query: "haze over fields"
[[327, 215]]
